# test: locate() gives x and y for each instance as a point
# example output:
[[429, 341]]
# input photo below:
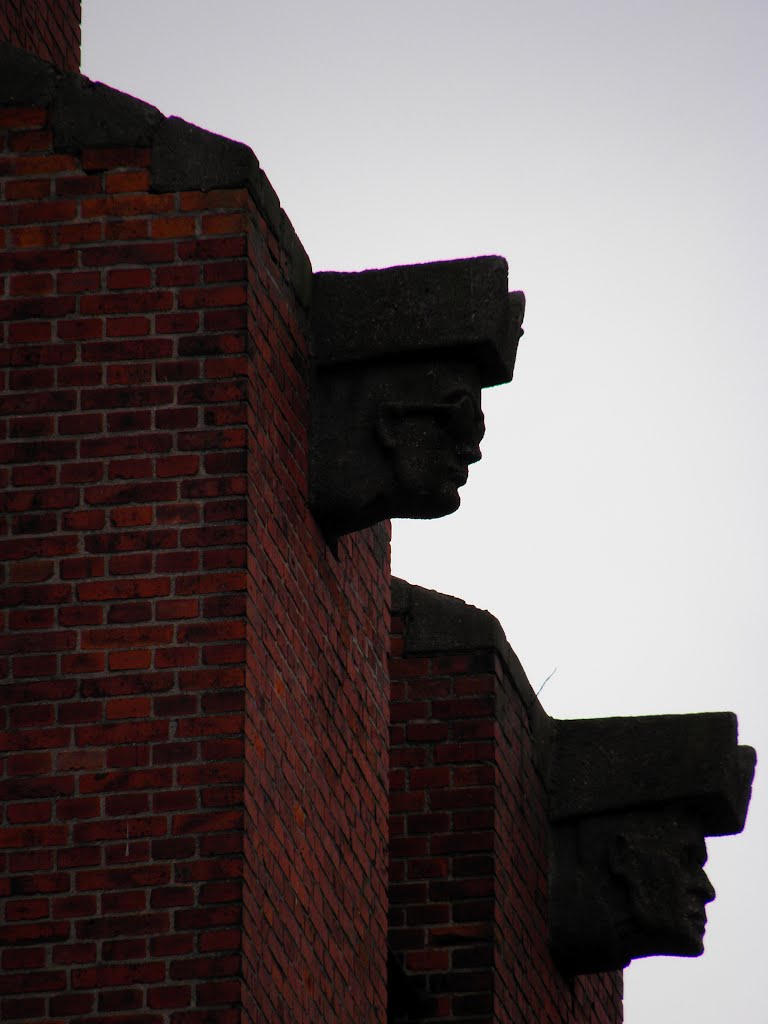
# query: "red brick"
[[126, 205], [31, 618], [124, 157], [112, 733], [127, 327], [79, 185], [129, 253], [215, 199], [118, 974], [89, 423], [40, 981], [46, 212], [175, 323], [81, 329], [78, 615], [36, 188], [223, 223], [129, 565], [29, 332], [33, 835], [169, 997], [23, 1009], [176, 657], [140, 277], [31, 284], [188, 608], [81, 568], [72, 1004], [173, 227], [82, 807], [130, 707], [79, 234], [177, 465], [23, 959], [126, 230], [127, 181], [31, 142]]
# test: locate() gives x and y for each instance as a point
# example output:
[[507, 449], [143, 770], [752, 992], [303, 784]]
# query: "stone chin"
[[688, 939], [435, 503], [424, 510]]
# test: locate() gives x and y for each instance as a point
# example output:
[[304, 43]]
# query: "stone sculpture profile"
[[631, 802], [401, 356]]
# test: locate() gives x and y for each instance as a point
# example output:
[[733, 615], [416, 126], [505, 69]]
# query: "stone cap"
[[452, 306], [606, 765], [440, 624], [86, 114]]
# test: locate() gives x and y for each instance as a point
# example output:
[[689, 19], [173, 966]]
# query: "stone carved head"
[[627, 873], [401, 357], [625, 886]]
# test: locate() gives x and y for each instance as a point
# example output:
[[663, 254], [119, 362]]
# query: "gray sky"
[[615, 152]]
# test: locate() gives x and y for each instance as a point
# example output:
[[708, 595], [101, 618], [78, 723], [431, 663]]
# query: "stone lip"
[[440, 624], [91, 115], [460, 307], [606, 765]]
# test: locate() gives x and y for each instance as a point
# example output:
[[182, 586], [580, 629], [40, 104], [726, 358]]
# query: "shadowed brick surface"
[[48, 28], [195, 697], [469, 832]]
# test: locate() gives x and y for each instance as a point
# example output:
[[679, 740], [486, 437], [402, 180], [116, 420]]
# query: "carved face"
[[432, 432], [661, 862], [628, 885], [393, 439]]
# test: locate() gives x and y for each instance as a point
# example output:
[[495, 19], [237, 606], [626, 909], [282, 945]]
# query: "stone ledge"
[[606, 765], [440, 624], [86, 114]]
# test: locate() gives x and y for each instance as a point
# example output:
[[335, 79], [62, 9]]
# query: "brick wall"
[[469, 833], [317, 706], [194, 691], [49, 29]]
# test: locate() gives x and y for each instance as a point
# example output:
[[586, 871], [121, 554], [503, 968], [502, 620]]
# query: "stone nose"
[[474, 453], [480, 428], [470, 453], [703, 887]]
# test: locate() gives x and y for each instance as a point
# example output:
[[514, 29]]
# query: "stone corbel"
[[631, 801], [400, 358]]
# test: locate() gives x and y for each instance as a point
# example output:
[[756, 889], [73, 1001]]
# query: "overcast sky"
[[615, 152]]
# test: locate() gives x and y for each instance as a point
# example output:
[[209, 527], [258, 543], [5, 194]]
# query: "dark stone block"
[[606, 764], [406, 999], [188, 158], [439, 624], [92, 115], [457, 306], [24, 79], [295, 254]]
